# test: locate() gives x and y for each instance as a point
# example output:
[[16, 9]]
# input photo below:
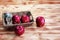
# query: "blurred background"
[[29, 2]]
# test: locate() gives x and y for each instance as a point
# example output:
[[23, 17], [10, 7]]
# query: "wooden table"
[[50, 31]]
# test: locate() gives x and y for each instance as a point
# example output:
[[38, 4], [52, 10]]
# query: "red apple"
[[40, 21], [19, 30], [25, 18], [16, 19]]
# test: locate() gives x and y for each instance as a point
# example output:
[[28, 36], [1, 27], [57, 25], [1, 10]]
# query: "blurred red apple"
[[40, 21], [16, 19], [19, 30], [25, 18]]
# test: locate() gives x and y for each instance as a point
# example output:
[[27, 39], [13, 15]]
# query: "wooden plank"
[[50, 29]]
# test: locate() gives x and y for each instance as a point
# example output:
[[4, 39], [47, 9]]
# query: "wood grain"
[[26, 2], [50, 31]]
